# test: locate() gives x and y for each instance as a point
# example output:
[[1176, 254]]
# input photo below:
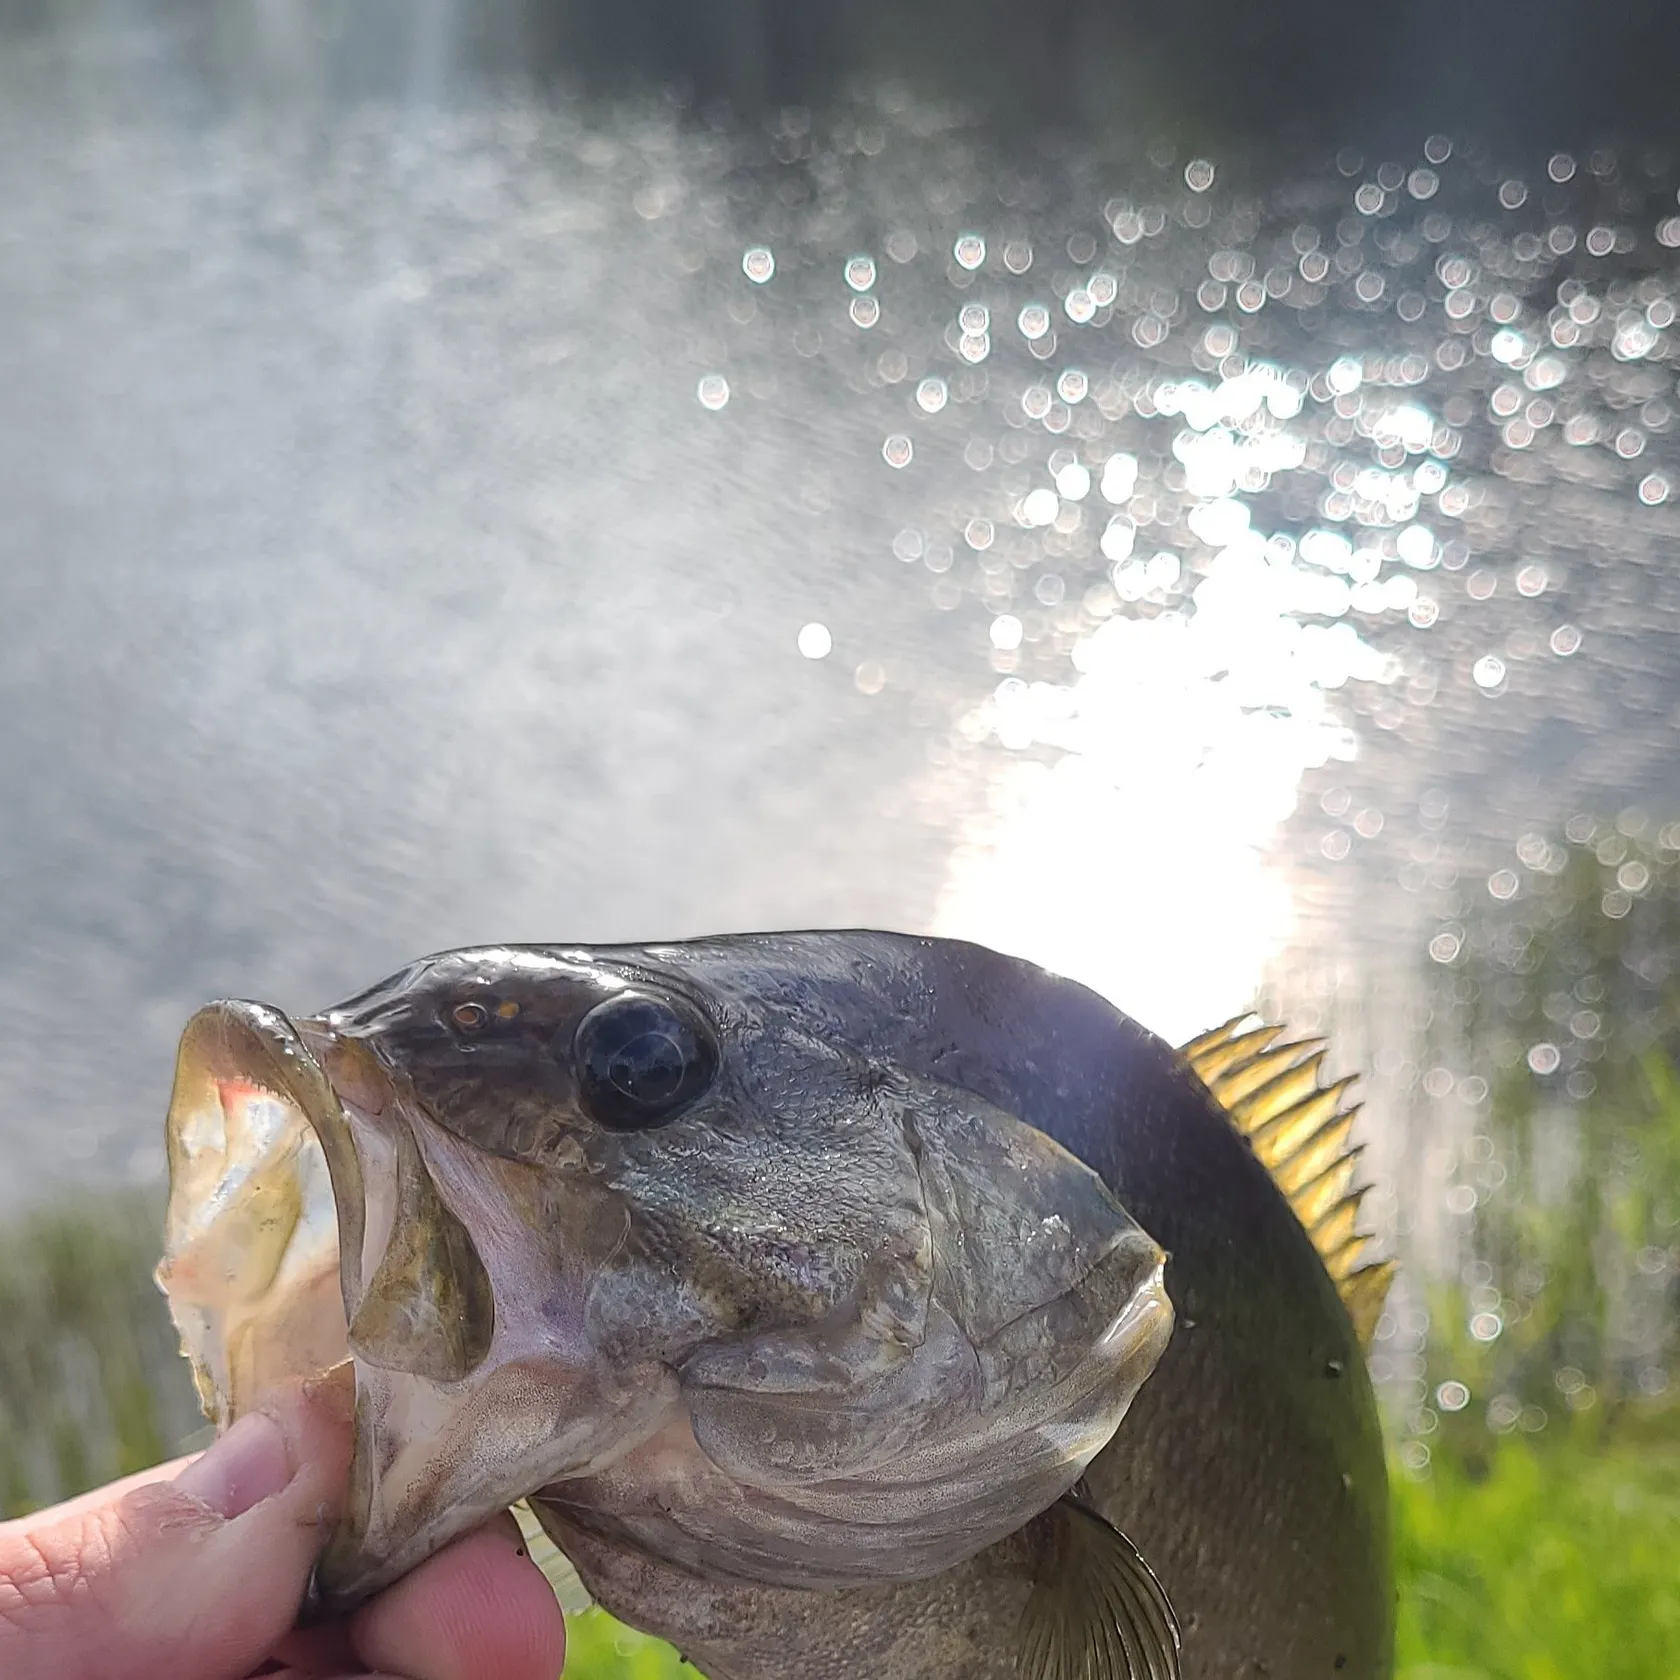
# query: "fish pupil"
[[640, 1061], [648, 1068]]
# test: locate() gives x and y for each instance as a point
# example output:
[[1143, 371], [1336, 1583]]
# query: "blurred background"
[[1185, 493]]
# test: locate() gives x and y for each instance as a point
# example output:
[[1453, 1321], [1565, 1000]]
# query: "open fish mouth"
[[306, 1229], [303, 1227], [267, 1209]]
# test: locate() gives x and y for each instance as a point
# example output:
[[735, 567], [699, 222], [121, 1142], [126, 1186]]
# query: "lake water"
[[443, 506]]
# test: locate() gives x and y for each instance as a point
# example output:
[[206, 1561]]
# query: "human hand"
[[195, 1571]]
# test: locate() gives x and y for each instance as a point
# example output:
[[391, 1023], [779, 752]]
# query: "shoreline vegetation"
[[1518, 1557]]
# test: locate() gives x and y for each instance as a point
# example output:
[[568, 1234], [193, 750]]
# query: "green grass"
[[92, 1383], [598, 1648], [1561, 1562]]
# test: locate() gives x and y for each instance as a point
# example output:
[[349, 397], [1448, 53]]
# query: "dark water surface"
[[1220, 560]]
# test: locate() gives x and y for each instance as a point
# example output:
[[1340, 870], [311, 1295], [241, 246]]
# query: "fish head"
[[682, 1237]]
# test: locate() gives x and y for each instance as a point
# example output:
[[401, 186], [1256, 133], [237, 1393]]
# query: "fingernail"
[[247, 1465]]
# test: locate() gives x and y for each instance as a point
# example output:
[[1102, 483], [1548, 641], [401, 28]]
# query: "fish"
[[840, 1303]]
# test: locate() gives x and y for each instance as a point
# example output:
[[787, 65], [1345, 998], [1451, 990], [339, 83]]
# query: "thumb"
[[191, 1579]]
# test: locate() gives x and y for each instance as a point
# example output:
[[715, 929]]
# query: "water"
[[446, 505]]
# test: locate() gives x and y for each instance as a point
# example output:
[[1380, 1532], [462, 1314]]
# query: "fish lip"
[[239, 1039], [288, 1053], [1140, 1334], [318, 1043]]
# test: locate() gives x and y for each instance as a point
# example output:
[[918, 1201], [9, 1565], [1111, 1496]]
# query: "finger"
[[479, 1610], [190, 1579]]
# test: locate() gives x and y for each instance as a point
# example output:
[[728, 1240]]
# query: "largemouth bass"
[[846, 1304]]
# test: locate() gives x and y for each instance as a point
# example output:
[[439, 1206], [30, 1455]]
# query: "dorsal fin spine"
[[1300, 1132], [1233, 1051], [1336, 1225], [1318, 1195], [1245, 1078], [1346, 1254], [1325, 1146], [1212, 1039], [1278, 1136], [1364, 1291], [1290, 1087]]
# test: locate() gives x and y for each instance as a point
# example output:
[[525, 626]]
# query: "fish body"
[[856, 1358]]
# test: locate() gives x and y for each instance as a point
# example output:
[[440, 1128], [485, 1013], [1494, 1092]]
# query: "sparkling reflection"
[[1222, 588]]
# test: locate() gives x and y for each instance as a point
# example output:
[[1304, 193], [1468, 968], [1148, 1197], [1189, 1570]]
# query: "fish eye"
[[469, 1016], [640, 1061]]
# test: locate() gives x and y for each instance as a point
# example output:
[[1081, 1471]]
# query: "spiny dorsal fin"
[[1096, 1611], [1299, 1130], [1230, 1049]]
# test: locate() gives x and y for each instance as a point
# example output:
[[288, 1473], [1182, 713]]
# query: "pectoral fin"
[[1096, 1612]]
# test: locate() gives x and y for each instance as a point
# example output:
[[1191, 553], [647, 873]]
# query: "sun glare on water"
[[1127, 834]]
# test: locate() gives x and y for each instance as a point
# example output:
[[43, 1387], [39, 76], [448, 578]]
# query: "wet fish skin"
[[879, 1100], [1249, 1471]]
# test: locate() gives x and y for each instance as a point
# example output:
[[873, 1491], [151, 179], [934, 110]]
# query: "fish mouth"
[[305, 1234], [295, 1175], [267, 1208], [1135, 1341], [307, 1231]]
